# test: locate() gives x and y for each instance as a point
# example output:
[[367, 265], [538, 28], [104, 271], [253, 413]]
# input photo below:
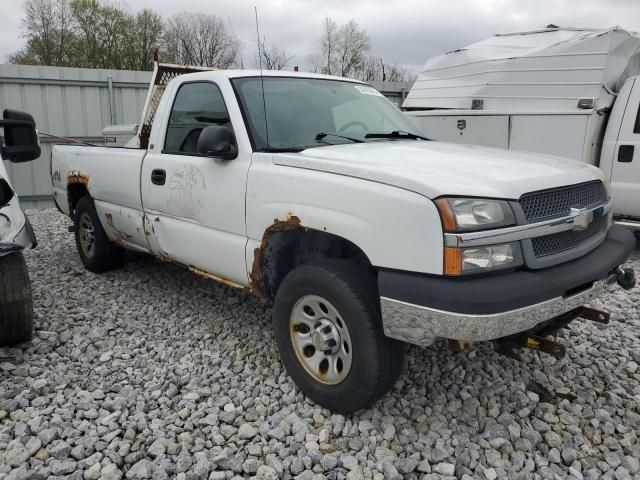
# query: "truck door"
[[625, 171], [195, 205]]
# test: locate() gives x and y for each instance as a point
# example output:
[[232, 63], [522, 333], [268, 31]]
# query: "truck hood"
[[434, 168]]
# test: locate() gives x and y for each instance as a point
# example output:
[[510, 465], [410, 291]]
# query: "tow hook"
[[625, 277]]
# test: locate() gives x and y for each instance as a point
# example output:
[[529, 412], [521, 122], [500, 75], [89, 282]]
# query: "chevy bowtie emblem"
[[582, 218]]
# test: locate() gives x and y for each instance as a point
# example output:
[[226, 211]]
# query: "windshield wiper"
[[396, 134], [320, 136]]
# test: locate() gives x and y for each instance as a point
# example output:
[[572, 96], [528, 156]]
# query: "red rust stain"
[[76, 176], [291, 222], [217, 278]]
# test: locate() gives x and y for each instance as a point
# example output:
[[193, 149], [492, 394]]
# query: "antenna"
[[264, 103]]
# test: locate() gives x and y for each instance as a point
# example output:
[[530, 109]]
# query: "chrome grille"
[[563, 241], [557, 202]]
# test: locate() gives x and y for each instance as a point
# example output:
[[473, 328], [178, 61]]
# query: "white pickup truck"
[[317, 194]]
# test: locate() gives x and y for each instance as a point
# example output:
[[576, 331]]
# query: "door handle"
[[158, 176], [625, 153]]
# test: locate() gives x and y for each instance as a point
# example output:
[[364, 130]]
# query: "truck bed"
[[111, 176]]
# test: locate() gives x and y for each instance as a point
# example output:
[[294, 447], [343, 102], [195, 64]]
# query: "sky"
[[406, 32]]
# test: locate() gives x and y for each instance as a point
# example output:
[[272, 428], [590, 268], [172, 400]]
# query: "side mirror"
[[6, 193], [218, 142], [20, 137]]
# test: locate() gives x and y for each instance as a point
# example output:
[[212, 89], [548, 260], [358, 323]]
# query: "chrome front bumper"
[[422, 325]]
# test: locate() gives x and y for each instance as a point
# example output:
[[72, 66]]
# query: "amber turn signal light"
[[446, 215], [452, 261]]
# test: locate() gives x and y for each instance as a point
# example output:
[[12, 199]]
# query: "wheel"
[[16, 303], [97, 253], [329, 334]]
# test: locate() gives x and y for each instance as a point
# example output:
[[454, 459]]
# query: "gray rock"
[[17, 456], [183, 462], [47, 435], [266, 473], [276, 433], [250, 465], [59, 449], [156, 449], [64, 467], [552, 439], [631, 464], [444, 468], [569, 455], [93, 472], [110, 472], [141, 470], [247, 431], [200, 471]]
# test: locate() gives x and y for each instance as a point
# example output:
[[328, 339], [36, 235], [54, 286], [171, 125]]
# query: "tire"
[[97, 253], [355, 375], [16, 303]]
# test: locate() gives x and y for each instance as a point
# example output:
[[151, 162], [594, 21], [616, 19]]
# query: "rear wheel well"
[[283, 251], [75, 191]]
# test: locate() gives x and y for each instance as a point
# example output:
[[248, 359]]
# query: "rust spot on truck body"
[[75, 182], [217, 278], [123, 235], [76, 176], [256, 280]]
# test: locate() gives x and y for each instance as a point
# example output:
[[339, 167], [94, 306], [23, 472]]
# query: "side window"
[[636, 126], [196, 106]]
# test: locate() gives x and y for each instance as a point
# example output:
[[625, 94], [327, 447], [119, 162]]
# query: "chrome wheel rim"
[[87, 235], [321, 339]]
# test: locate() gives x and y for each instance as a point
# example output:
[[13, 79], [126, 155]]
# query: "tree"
[[87, 33], [273, 57], [344, 47], [346, 52], [143, 38], [329, 40], [48, 28], [375, 69], [203, 40], [351, 48]]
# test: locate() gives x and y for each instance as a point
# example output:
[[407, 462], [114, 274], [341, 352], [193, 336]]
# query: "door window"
[[196, 106], [636, 126]]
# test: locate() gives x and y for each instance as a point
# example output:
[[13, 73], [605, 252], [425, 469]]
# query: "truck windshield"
[[311, 112]]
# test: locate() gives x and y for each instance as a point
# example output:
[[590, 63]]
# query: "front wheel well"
[[282, 251]]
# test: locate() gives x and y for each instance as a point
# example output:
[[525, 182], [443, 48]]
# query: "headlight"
[[465, 214], [459, 261]]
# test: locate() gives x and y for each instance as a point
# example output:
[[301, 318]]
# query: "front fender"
[[395, 228]]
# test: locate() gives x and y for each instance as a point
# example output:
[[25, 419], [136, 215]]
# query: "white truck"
[[20, 144], [570, 92], [318, 195]]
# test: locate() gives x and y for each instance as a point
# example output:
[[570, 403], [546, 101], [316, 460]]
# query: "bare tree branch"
[[204, 40], [273, 57]]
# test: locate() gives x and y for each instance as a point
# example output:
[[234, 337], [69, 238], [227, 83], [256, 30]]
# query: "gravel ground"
[[152, 372]]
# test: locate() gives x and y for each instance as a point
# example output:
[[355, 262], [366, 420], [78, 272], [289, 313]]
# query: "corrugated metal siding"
[[70, 102], [74, 102]]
